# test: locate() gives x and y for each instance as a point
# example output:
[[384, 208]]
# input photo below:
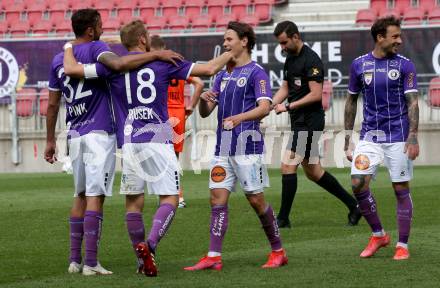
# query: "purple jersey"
[[383, 83], [239, 92], [140, 100], [88, 106]]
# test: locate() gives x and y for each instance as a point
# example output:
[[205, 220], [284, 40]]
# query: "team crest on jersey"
[[315, 71], [393, 74], [218, 174], [368, 77], [241, 82], [223, 85]]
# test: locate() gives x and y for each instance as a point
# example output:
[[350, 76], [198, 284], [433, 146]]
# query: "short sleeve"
[[409, 78], [182, 71], [217, 82], [285, 70], [314, 69], [100, 48], [261, 85], [54, 81], [354, 85]]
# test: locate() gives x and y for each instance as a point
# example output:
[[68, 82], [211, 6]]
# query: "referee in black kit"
[[302, 86]]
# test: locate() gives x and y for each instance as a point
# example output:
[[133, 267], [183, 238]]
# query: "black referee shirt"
[[298, 71]]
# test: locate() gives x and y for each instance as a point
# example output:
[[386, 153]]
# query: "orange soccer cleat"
[[276, 259], [375, 244], [214, 263], [144, 252], [401, 253]]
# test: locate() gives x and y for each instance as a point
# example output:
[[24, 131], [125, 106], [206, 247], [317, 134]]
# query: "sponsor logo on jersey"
[[381, 70], [218, 174], [368, 77], [393, 74], [263, 87], [241, 82], [368, 63], [315, 71], [362, 162]]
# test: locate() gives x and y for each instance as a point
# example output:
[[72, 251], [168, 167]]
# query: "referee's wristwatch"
[[287, 106]]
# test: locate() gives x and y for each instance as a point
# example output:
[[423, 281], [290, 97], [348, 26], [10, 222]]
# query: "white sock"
[[214, 254], [379, 234], [403, 245]]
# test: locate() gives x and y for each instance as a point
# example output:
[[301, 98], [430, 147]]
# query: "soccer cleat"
[[182, 204], [401, 253], [214, 263], [144, 252], [283, 223], [75, 267], [97, 270], [375, 244], [354, 216], [276, 259]]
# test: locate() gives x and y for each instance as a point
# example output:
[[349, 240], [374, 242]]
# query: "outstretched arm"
[[349, 117], [412, 144], [213, 66]]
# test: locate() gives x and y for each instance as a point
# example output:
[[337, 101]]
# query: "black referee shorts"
[[305, 143]]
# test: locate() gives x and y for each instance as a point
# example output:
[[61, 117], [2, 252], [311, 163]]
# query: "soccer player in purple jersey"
[[140, 102], [91, 135], [388, 83], [243, 96]]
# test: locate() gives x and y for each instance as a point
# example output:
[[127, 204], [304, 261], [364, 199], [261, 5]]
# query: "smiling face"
[[390, 42], [234, 44]]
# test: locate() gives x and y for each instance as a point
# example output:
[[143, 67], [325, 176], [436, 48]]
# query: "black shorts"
[[305, 143]]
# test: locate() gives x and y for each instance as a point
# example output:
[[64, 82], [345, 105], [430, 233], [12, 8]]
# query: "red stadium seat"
[[378, 5], [26, 99], [124, 4], [64, 27], [58, 5], [149, 4], [170, 12], [156, 23], [239, 10], [75, 5], [327, 95], [402, 5], [204, 22], [43, 102], [216, 10], [16, 6], [147, 13], [434, 16], [223, 20], [365, 17], [179, 22], [217, 2], [124, 14], [413, 16], [390, 12], [42, 27], [434, 92], [250, 19], [57, 16], [125, 18], [12, 16], [264, 12], [427, 5], [195, 3], [172, 3], [20, 28], [104, 5], [193, 11], [4, 27], [111, 25]]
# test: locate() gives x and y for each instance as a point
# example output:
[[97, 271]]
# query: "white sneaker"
[[75, 267], [97, 270], [182, 204]]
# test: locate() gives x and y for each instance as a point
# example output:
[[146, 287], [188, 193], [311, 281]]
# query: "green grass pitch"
[[323, 252]]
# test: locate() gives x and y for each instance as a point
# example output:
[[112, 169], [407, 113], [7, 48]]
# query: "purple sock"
[[161, 222], [404, 214], [368, 208], [270, 227], [219, 225], [135, 228], [92, 234], [76, 237]]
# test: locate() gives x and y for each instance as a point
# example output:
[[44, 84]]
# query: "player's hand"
[[412, 147], [280, 108], [188, 111], [49, 152], [169, 56], [209, 96], [348, 149], [232, 122]]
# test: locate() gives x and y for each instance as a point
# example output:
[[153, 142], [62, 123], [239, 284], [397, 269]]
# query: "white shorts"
[[248, 169], [93, 163], [152, 163], [368, 156]]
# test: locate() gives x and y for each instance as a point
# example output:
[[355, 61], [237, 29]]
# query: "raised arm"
[[213, 66], [51, 120], [349, 117], [412, 144]]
